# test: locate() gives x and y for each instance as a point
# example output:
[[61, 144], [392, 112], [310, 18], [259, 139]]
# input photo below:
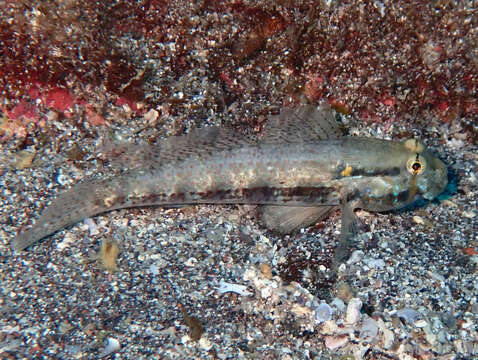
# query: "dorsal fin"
[[197, 143], [125, 155], [302, 124], [201, 142], [292, 125]]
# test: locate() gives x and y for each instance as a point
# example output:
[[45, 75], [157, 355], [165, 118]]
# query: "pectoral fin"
[[287, 219], [349, 229]]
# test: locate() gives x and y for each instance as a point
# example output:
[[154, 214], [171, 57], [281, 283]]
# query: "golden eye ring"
[[416, 165]]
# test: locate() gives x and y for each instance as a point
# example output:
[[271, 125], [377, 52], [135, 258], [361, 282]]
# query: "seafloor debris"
[[108, 255], [195, 327]]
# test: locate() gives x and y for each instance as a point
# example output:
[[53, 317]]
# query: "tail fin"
[[70, 207]]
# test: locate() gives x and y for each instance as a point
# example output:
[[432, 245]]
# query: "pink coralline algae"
[[25, 110], [59, 100]]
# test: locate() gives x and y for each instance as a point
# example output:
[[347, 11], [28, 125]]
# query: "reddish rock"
[[59, 99]]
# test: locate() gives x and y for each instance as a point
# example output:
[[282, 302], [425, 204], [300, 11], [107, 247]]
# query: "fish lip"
[[437, 191], [434, 191]]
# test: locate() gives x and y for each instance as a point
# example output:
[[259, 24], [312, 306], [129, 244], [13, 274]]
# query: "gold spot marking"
[[347, 171], [110, 200], [414, 145]]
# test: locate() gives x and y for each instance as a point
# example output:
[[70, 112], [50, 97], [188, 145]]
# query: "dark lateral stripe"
[[303, 193], [394, 171], [256, 195]]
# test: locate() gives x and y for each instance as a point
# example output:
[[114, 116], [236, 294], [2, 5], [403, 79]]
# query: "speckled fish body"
[[305, 175]]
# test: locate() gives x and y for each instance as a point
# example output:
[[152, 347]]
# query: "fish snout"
[[436, 179]]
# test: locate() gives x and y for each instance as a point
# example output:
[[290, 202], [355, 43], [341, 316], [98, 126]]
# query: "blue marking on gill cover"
[[396, 190]]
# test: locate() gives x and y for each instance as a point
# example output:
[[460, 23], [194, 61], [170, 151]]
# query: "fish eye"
[[416, 165]]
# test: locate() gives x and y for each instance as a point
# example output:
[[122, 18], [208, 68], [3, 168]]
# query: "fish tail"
[[82, 201]]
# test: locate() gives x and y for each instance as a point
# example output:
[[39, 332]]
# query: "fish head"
[[424, 174], [417, 174], [428, 174]]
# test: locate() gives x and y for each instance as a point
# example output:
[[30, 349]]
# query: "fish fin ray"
[[350, 227], [198, 143], [201, 142], [287, 219], [126, 155], [293, 125], [302, 124]]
